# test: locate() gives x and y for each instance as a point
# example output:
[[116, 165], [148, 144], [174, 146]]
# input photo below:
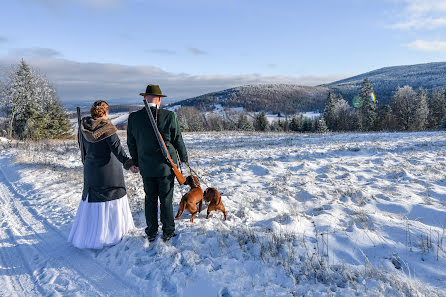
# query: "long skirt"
[[100, 224]]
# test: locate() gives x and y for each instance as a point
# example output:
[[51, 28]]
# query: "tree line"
[[409, 110], [192, 119], [30, 106]]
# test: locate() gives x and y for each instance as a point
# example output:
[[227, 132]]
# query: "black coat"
[[104, 156]]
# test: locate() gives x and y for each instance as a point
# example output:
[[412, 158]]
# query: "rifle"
[[180, 178], [79, 135]]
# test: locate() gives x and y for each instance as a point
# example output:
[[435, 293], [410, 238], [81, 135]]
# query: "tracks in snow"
[[37, 260]]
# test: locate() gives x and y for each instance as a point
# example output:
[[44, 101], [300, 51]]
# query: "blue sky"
[[113, 48]]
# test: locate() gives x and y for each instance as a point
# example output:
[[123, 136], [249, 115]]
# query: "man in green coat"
[[156, 173]]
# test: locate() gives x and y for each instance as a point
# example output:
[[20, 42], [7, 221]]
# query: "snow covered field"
[[308, 215]]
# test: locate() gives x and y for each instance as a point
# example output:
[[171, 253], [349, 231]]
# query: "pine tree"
[[31, 105], [275, 126], [321, 126], [385, 121], [368, 109], [261, 122], [58, 124], [329, 112], [244, 124], [307, 125], [295, 125], [437, 108]]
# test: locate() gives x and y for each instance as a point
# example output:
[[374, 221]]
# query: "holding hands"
[[134, 169], [130, 165]]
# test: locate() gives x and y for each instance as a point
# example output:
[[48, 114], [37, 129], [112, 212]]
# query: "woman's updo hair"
[[99, 109]]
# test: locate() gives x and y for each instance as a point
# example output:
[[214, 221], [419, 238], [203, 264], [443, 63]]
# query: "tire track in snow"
[[49, 258]]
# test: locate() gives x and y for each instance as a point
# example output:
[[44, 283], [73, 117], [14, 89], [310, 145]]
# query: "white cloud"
[[100, 3], [75, 81], [196, 51], [428, 46], [161, 51], [421, 14], [57, 6], [35, 52], [428, 23]]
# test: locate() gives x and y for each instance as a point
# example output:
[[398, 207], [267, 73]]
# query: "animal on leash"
[[213, 197], [190, 199]]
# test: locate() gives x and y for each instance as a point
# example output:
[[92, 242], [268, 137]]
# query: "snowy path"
[[36, 259]]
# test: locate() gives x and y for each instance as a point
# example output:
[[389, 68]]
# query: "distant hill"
[[386, 80], [272, 98], [288, 98]]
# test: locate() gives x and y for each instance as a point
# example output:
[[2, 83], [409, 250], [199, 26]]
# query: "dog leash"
[[193, 172]]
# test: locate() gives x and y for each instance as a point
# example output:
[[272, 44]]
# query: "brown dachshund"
[[213, 197], [190, 199]]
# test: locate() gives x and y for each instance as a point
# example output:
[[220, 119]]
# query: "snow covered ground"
[[308, 215]]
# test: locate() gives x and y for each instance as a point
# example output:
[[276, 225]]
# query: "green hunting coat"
[[143, 145]]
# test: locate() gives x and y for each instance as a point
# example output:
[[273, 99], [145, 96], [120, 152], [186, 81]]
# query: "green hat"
[[153, 90]]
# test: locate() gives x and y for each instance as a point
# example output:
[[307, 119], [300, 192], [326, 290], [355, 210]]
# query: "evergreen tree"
[[261, 122], [368, 109], [437, 108], [275, 126], [329, 112], [31, 105], [307, 125], [295, 125], [244, 124], [321, 126], [385, 121]]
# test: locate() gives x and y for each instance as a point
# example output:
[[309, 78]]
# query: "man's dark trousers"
[[161, 187]]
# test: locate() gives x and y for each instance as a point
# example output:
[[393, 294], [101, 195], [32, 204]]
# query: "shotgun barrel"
[[79, 135]]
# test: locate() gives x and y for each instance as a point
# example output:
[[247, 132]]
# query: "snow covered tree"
[[215, 123], [276, 126], [368, 109], [244, 123], [343, 115], [31, 105], [329, 112], [286, 125], [261, 122], [403, 105], [296, 124], [321, 126], [190, 118], [421, 111], [437, 108]]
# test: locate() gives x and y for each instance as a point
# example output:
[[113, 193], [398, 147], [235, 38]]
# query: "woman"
[[103, 216]]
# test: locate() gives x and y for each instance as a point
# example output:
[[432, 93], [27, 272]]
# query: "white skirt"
[[100, 224]]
